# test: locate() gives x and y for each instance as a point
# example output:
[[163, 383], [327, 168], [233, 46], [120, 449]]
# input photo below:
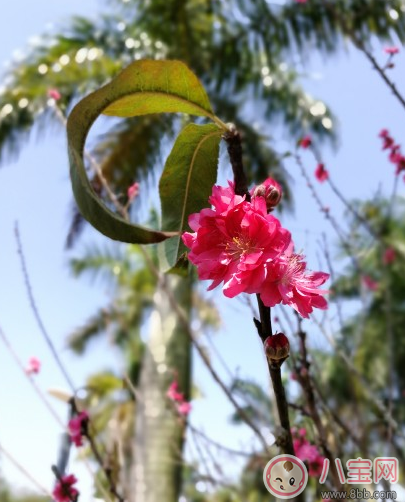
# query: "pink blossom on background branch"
[[321, 173], [33, 366], [308, 452], [391, 50], [54, 94], [64, 490], [78, 427], [305, 142], [182, 406], [395, 155], [133, 191]]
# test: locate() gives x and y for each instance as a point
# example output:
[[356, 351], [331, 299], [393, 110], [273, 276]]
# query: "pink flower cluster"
[[238, 243], [183, 407], [395, 155], [78, 427], [307, 452], [64, 490]]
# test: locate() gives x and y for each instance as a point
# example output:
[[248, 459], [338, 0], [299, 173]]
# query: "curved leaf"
[[186, 182], [157, 87], [142, 88]]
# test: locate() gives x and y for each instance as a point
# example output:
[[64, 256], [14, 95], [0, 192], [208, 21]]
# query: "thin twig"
[[359, 44], [35, 310], [32, 381], [306, 384], [16, 464], [327, 214]]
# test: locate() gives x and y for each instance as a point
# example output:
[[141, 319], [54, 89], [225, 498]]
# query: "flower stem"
[[265, 330]]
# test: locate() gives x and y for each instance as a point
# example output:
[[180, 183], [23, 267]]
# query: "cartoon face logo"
[[285, 476]]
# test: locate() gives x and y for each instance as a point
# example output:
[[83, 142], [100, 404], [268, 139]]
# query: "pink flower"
[[321, 173], [369, 283], [289, 282], [391, 50], [64, 490], [184, 408], [271, 191], [133, 191], [308, 453], [54, 94], [33, 366], [400, 164], [233, 241], [306, 141], [239, 244], [173, 393], [78, 427], [395, 156], [300, 1], [389, 256]]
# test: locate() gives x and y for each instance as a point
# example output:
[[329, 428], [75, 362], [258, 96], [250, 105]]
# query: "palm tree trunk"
[[159, 432]]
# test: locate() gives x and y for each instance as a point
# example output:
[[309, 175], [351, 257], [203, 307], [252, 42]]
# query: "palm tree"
[[122, 421]]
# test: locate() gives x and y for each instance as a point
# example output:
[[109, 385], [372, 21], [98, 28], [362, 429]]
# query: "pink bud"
[[33, 366], [302, 432], [306, 141], [54, 94], [184, 408], [133, 191], [321, 173], [391, 50], [271, 191], [389, 256], [277, 347], [370, 283], [173, 392]]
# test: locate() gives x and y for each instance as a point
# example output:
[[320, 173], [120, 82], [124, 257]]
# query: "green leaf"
[[186, 182], [157, 87], [142, 88]]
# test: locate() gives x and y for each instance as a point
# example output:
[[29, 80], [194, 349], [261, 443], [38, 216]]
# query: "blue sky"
[[35, 191]]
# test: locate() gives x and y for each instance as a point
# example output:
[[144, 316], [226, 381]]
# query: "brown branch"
[[306, 384], [359, 44], [35, 310], [263, 326], [233, 140]]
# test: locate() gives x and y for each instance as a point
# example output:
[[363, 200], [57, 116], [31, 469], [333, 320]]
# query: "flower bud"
[[305, 142], [271, 191], [277, 347]]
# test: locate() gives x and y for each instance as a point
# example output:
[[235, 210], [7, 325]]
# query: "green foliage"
[[187, 180], [7, 495], [145, 87]]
